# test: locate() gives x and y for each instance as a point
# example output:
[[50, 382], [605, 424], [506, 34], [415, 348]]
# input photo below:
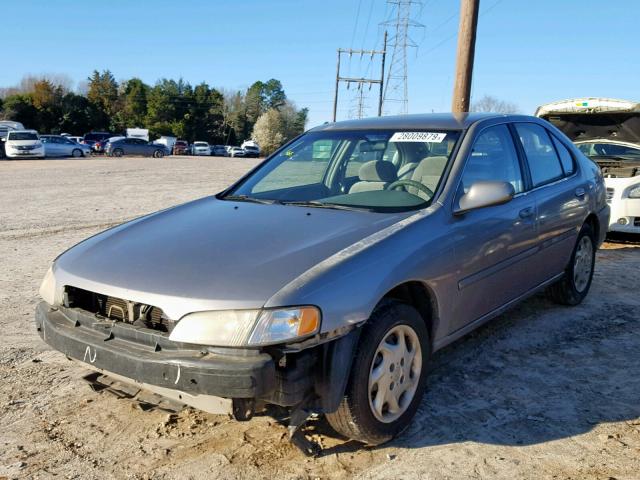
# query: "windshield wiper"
[[317, 204], [247, 198]]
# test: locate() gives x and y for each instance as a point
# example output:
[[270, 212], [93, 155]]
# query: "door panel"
[[562, 197], [494, 246], [495, 249]]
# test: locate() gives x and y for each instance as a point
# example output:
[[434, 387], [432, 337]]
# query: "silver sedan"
[[59, 146], [324, 279]]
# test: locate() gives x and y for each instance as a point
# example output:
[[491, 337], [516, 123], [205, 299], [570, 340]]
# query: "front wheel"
[[575, 284], [117, 152], [158, 154], [388, 376], [76, 153]]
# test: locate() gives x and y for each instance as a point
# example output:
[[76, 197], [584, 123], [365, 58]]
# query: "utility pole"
[[396, 89], [466, 50], [360, 80]]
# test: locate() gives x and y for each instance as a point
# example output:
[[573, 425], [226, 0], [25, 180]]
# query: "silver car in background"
[[325, 278], [59, 146]]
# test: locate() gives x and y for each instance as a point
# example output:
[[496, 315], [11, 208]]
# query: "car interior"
[[360, 171]]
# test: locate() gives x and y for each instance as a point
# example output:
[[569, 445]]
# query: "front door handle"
[[580, 192], [526, 212]]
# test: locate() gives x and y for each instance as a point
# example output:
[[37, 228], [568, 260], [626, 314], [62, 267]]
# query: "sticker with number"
[[433, 137]]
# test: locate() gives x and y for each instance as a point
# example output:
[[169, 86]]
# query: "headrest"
[[378, 171]]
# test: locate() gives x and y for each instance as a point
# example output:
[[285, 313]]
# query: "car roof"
[[23, 131], [442, 121]]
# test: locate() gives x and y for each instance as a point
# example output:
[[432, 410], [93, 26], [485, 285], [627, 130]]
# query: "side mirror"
[[485, 194]]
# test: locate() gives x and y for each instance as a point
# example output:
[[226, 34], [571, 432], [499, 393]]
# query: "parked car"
[[332, 283], [97, 140], [75, 139], [251, 151], [134, 146], [181, 147], [5, 127], [607, 131], [236, 152], [59, 146], [200, 148], [219, 151], [23, 144]]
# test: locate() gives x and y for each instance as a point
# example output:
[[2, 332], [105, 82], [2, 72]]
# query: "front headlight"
[[633, 191], [238, 328], [48, 287]]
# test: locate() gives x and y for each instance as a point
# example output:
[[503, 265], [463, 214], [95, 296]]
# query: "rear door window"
[[543, 161], [566, 159]]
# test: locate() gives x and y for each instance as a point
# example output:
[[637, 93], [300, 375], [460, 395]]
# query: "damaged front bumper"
[[186, 373]]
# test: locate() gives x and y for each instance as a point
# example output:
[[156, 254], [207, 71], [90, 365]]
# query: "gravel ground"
[[541, 392]]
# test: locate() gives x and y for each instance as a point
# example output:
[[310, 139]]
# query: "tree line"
[[169, 107]]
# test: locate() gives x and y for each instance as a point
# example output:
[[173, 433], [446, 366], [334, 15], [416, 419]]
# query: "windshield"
[[595, 149], [381, 170], [22, 136], [201, 144]]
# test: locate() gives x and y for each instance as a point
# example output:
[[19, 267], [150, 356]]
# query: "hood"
[[212, 254], [595, 118]]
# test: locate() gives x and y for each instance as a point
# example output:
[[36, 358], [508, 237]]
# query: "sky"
[[528, 52]]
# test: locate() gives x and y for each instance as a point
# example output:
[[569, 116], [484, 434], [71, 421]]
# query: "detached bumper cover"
[[148, 357]]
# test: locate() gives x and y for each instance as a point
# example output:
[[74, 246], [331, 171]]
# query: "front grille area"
[[117, 309], [610, 193]]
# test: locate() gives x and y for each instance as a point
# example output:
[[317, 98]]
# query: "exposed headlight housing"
[[48, 287], [633, 191], [241, 328]]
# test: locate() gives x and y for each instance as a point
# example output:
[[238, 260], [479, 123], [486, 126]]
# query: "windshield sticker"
[[432, 137]]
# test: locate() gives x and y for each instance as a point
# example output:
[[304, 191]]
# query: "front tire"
[[158, 154], [77, 153], [117, 152], [387, 378], [575, 284]]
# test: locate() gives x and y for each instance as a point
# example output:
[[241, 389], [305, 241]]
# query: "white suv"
[[607, 131], [23, 144]]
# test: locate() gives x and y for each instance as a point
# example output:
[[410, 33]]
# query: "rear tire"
[[576, 282], [385, 374]]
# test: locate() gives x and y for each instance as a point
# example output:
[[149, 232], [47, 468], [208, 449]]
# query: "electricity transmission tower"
[[360, 81], [395, 90]]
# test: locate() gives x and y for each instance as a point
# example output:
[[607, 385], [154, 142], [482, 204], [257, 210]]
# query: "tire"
[[576, 282], [158, 154], [357, 417], [117, 152], [76, 153]]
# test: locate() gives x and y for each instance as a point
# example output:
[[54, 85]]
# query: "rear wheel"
[[575, 284], [388, 376]]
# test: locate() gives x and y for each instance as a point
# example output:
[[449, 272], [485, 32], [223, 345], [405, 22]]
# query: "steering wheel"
[[410, 183]]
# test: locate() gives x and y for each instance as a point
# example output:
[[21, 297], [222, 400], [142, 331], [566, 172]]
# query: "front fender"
[[348, 285]]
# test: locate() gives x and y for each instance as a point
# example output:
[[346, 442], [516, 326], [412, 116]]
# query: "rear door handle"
[[580, 192], [526, 212]]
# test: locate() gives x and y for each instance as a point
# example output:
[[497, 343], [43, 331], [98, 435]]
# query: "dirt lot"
[[541, 392]]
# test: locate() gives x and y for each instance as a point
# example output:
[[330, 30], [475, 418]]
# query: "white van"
[[23, 144], [606, 130]]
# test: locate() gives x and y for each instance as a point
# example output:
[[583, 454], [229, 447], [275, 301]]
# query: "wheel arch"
[[593, 221], [422, 298]]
